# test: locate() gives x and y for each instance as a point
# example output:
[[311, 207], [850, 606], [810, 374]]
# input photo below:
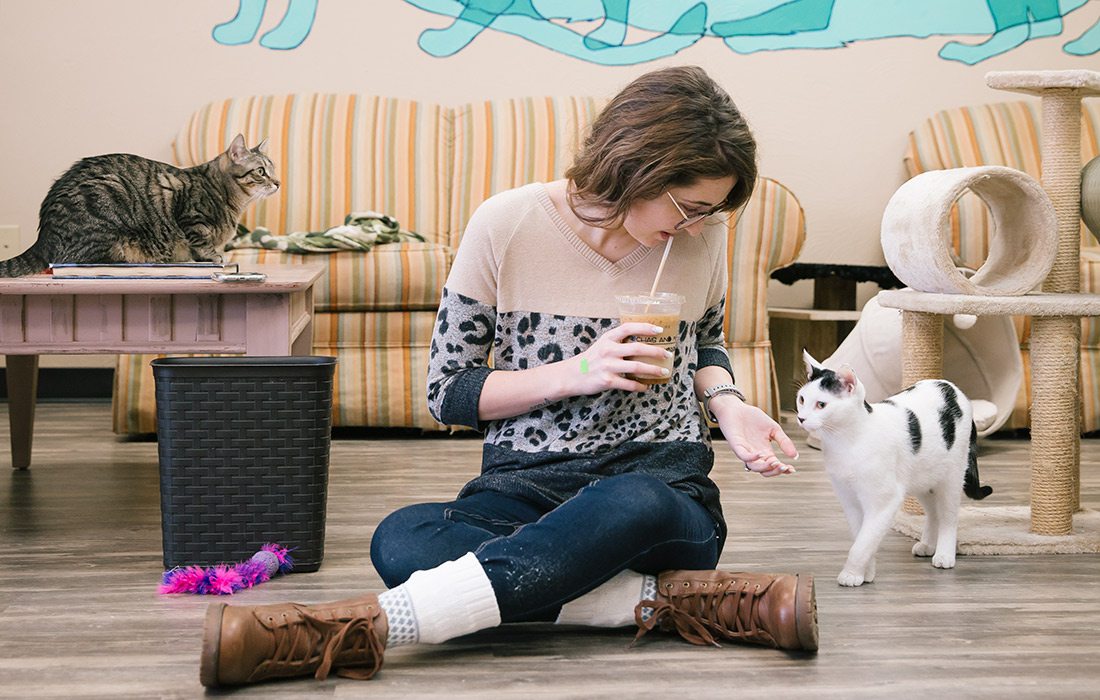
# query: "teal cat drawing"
[[747, 26], [291, 31]]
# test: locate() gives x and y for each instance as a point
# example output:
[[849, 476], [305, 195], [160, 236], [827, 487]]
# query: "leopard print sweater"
[[525, 291]]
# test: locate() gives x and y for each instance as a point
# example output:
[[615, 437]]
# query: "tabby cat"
[[920, 442], [123, 208]]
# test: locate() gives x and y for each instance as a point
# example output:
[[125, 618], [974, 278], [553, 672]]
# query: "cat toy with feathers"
[[226, 579]]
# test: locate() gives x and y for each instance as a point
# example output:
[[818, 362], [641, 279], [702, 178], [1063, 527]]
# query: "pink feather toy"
[[226, 579]]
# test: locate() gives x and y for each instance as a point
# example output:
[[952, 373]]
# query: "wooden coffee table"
[[42, 315]]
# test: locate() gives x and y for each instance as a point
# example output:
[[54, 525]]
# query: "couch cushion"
[[372, 329], [336, 154], [404, 276], [382, 366], [503, 144]]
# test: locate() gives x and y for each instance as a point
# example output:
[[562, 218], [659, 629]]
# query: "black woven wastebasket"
[[244, 447]]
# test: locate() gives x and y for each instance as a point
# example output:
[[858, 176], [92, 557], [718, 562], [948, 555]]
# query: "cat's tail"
[[28, 263], [971, 486]]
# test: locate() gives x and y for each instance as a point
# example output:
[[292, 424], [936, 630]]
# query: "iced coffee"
[[660, 309]]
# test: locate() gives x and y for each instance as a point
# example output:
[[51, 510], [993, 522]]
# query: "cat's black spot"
[[914, 430], [829, 381], [868, 407], [888, 401], [950, 413]]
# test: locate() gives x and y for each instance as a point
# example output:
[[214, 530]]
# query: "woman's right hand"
[[603, 364]]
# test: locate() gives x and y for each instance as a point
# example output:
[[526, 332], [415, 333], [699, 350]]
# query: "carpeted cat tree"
[[1036, 240]]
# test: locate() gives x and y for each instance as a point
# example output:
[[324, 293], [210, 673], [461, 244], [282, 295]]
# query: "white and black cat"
[[920, 442], [121, 208]]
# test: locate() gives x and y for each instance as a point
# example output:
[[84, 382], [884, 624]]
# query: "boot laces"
[[300, 644], [698, 616]]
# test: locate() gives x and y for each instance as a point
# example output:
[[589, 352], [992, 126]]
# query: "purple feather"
[[224, 580], [185, 580]]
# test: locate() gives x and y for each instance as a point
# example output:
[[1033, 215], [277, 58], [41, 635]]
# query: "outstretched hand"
[[751, 433]]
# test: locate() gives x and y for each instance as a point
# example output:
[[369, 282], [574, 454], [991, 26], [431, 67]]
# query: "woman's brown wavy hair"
[[667, 128]]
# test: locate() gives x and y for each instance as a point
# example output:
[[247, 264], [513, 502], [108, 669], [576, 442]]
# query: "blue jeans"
[[539, 559]]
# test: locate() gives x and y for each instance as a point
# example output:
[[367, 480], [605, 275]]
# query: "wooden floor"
[[80, 560]]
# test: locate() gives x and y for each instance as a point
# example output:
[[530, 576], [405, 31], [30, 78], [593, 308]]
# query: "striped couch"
[[429, 166], [1007, 133]]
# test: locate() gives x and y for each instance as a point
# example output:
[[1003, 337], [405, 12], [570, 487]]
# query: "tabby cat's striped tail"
[[971, 486], [28, 263]]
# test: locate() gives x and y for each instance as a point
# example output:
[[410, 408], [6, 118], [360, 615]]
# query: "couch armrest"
[[768, 234]]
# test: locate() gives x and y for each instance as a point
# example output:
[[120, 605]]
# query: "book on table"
[[178, 270]]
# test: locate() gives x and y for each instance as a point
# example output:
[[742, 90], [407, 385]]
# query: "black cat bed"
[[879, 274], [835, 284]]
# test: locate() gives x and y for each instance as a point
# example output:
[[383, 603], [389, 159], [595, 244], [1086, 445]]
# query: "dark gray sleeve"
[[459, 363], [711, 339]]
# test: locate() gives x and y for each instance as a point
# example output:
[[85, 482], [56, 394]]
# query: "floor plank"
[[81, 557]]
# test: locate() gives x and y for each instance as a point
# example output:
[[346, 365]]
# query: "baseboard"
[[69, 383]]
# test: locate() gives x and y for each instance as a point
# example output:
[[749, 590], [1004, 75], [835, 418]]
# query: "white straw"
[[661, 267]]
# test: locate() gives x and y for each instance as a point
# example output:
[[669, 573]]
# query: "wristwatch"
[[718, 390]]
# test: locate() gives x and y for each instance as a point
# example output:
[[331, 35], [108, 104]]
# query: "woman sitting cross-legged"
[[594, 504]]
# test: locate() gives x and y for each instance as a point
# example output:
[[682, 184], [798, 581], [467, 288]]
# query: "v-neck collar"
[[586, 251]]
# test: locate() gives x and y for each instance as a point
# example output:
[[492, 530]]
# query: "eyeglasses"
[[694, 218]]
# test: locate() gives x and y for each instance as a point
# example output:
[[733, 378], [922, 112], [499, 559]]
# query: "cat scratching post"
[[1022, 222], [922, 358]]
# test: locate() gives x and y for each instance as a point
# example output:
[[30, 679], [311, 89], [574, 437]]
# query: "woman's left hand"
[[751, 432]]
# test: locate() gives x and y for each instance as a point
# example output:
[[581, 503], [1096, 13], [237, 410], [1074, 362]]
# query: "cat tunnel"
[[1020, 254], [982, 359], [915, 233]]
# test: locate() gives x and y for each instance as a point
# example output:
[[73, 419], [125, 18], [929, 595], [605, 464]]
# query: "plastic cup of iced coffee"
[[659, 309]]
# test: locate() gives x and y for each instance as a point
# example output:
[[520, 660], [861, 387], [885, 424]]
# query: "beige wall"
[[81, 77]]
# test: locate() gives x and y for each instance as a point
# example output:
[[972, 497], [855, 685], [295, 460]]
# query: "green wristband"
[[584, 365]]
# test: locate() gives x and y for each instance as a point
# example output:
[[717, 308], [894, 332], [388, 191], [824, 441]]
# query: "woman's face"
[[653, 221]]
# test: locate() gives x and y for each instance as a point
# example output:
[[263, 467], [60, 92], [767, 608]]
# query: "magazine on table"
[[222, 272]]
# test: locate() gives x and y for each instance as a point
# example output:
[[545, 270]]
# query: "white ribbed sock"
[[612, 603], [453, 599]]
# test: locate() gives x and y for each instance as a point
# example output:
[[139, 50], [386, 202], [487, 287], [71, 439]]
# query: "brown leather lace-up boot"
[[773, 610], [247, 644]]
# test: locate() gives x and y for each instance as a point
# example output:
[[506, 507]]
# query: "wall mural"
[[748, 26], [745, 26], [291, 31]]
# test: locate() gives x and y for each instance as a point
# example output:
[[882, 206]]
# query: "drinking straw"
[[661, 267]]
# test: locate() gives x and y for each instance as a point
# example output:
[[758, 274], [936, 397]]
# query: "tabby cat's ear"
[[237, 149], [811, 363], [260, 146]]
